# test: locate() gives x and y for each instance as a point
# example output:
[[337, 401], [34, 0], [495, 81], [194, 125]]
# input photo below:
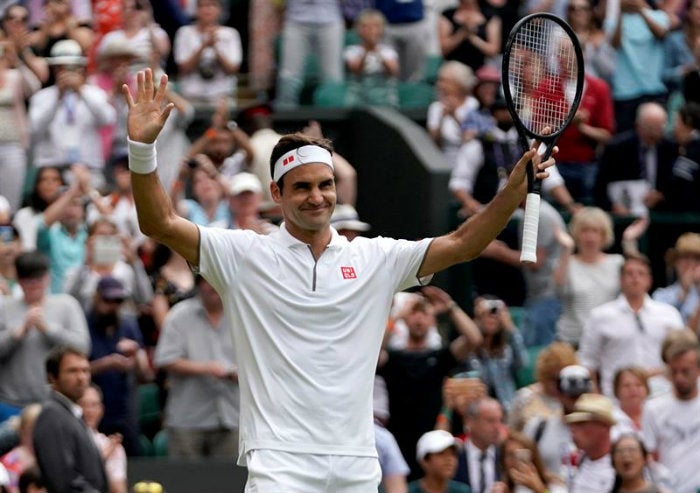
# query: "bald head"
[[650, 123]]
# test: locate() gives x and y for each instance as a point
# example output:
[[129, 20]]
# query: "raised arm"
[[157, 217], [472, 236]]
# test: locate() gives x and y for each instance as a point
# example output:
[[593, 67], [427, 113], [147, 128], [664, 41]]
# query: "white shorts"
[[275, 471]]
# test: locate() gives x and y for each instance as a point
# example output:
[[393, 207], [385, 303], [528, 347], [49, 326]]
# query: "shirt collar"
[[622, 303], [474, 452], [285, 237]]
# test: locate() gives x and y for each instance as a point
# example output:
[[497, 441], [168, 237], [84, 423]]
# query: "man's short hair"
[[294, 141], [677, 343], [55, 358], [30, 476], [636, 257], [30, 265]]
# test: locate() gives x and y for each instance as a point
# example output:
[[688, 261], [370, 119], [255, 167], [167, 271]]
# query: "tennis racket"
[[542, 74]]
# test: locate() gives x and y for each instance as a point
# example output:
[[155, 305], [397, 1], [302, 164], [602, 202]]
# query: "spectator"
[[630, 460], [589, 277], [691, 81], [10, 247], [22, 456], [478, 459], [541, 399], [631, 391], [436, 452], [65, 117], [670, 421], [208, 56], [454, 101], [59, 24], [373, 65], [18, 84], [628, 330], [487, 92], [469, 34], [409, 31], [502, 353], [551, 434], [458, 393], [208, 205], [408, 373], [678, 48], [346, 221], [310, 27], [684, 293], [393, 465], [150, 42], [15, 25], [31, 481], [109, 254], [110, 446], [29, 329], [118, 361], [65, 451], [244, 198], [638, 162], [598, 54], [590, 423], [522, 468], [636, 34], [685, 174], [196, 350], [46, 189]]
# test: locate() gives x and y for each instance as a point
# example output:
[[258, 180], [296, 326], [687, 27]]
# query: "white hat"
[[434, 442], [345, 217], [67, 52], [592, 407], [244, 182], [116, 47]]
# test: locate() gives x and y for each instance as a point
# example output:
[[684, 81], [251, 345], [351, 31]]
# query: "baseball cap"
[[244, 182], [346, 217], [592, 407], [67, 52], [111, 288], [574, 380], [434, 442]]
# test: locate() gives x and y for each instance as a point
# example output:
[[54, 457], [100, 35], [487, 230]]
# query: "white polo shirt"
[[613, 338], [307, 333]]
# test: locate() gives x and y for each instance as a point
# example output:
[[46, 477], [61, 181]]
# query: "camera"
[[493, 306], [192, 163], [107, 249], [7, 233]]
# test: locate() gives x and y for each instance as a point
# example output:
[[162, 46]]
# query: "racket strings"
[[542, 75]]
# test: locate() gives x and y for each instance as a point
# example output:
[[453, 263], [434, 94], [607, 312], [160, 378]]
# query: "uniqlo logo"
[[288, 160], [348, 272]]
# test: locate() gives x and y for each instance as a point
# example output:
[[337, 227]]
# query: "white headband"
[[301, 155]]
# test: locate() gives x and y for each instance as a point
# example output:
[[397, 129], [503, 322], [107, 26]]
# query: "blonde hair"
[[460, 73], [679, 342], [552, 359], [369, 14], [594, 217]]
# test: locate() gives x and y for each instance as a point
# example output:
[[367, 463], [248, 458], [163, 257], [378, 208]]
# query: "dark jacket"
[[65, 451]]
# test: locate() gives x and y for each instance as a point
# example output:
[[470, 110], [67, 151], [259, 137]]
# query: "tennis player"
[[307, 307]]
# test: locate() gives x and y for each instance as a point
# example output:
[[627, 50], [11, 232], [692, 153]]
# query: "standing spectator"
[[60, 24], [636, 33], [373, 65], [48, 183], [585, 275], [436, 452], [678, 48], [590, 423], [195, 348], [409, 32], [631, 391], [15, 25], [208, 56], [642, 157], [670, 421], [478, 460], [454, 101], [628, 330], [65, 117], [208, 205], [17, 84], [110, 446], [29, 328], [118, 361], [310, 26], [468, 35], [393, 465], [65, 451], [598, 54]]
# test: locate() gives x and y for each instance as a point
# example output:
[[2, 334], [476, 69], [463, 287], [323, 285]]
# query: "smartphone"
[[106, 249], [7, 233], [523, 455]]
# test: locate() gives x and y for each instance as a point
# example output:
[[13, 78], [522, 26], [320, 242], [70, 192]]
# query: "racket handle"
[[530, 225]]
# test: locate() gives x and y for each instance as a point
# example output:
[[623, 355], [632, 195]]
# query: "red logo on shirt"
[[348, 272], [288, 160]]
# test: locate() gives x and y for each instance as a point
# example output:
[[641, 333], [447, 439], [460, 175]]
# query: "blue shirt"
[[63, 250]]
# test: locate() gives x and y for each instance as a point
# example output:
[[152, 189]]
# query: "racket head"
[[542, 74]]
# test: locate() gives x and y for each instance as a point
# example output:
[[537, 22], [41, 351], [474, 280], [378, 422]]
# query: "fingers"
[[162, 89], [148, 84]]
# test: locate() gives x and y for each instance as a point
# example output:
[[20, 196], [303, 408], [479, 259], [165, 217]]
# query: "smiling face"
[[307, 198]]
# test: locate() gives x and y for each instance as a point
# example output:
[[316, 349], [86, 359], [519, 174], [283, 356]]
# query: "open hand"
[[148, 113]]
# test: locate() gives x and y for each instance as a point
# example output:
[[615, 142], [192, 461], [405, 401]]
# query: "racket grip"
[[530, 225]]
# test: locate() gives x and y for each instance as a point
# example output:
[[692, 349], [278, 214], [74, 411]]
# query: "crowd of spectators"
[[587, 381]]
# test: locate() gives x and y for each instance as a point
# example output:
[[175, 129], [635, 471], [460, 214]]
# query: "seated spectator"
[[110, 446], [685, 174], [454, 101], [373, 66], [208, 56], [522, 469], [541, 399], [436, 452], [22, 457], [684, 293], [244, 198], [631, 461], [487, 91], [469, 34], [29, 328], [109, 254], [46, 189], [502, 352], [10, 247], [629, 330], [635, 167]]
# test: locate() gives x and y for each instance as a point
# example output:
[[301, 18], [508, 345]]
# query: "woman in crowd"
[[631, 390], [598, 54], [47, 188], [631, 460], [59, 23]]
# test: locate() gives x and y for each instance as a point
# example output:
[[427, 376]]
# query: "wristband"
[[142, 157]]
